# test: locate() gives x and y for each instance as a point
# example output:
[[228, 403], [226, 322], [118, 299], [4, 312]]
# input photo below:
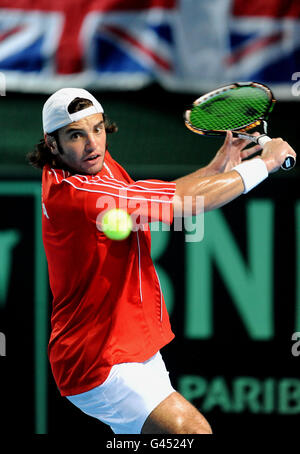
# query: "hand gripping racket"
[[237, 107]]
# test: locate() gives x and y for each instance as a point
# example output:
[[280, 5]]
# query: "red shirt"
[[108, 306]]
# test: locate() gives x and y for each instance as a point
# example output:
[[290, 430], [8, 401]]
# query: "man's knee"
[[190, 420], [203, 428], [196, 426], [175, 415]]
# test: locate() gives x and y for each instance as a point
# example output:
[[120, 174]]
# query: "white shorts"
[[128, 395]]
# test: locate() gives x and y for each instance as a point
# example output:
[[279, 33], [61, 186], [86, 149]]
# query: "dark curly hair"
[[42, 155]]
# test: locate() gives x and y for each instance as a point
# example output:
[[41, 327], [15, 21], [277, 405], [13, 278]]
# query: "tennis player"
[[109, 319]]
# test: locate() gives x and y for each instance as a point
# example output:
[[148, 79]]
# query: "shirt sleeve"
[[147, 201]]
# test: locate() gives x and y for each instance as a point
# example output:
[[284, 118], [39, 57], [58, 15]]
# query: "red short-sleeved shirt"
[[108, 306]]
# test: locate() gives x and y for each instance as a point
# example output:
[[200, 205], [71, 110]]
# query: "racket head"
[[239, 106]]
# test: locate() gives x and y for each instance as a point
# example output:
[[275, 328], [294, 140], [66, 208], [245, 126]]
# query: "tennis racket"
[[238, 107]]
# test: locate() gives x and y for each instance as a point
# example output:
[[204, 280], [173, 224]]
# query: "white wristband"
[[252, 172]]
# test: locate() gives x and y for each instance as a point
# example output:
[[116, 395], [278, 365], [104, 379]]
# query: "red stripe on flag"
[[129, 39], [252, 47], [80, 7], [121, 5], [69, 53], [270, 8], [10, 32]]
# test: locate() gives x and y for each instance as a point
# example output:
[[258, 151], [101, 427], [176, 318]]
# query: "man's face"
[[83, 143]]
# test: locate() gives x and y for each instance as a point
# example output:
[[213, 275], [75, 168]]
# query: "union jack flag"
[[78, 38], [189, 45], [264, 40]]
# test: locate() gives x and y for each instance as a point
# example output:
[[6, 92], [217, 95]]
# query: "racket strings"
[[230, 110]]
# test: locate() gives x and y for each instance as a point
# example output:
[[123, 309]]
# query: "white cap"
[[55, 110]]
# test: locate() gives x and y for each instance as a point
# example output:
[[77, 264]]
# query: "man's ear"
[[51, 142]]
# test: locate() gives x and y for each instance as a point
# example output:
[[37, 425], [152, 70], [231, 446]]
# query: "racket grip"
[[263, 139], [289, 161]]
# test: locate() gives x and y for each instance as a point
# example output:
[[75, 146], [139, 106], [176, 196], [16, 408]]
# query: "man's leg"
[[175, 415]]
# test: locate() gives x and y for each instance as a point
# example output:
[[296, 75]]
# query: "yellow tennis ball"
[[116, 224]]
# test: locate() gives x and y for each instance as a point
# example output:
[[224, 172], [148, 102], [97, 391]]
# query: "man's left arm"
[[227, 177]]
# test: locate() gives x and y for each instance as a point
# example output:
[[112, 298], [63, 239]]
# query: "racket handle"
[[289, 161], [263, 139]]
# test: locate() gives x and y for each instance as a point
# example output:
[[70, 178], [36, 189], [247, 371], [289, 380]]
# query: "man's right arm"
[[218, 190]]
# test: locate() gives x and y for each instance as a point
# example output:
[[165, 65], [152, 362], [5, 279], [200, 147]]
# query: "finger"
[[227, 143], [228, 138], [256, 134], [250, 151], [240, 142]]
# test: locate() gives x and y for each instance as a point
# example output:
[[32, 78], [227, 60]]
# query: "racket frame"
[[241, 129], [240, 132]]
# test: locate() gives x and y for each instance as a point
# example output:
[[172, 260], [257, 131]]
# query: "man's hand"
[[231, 154], [275, 152]]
